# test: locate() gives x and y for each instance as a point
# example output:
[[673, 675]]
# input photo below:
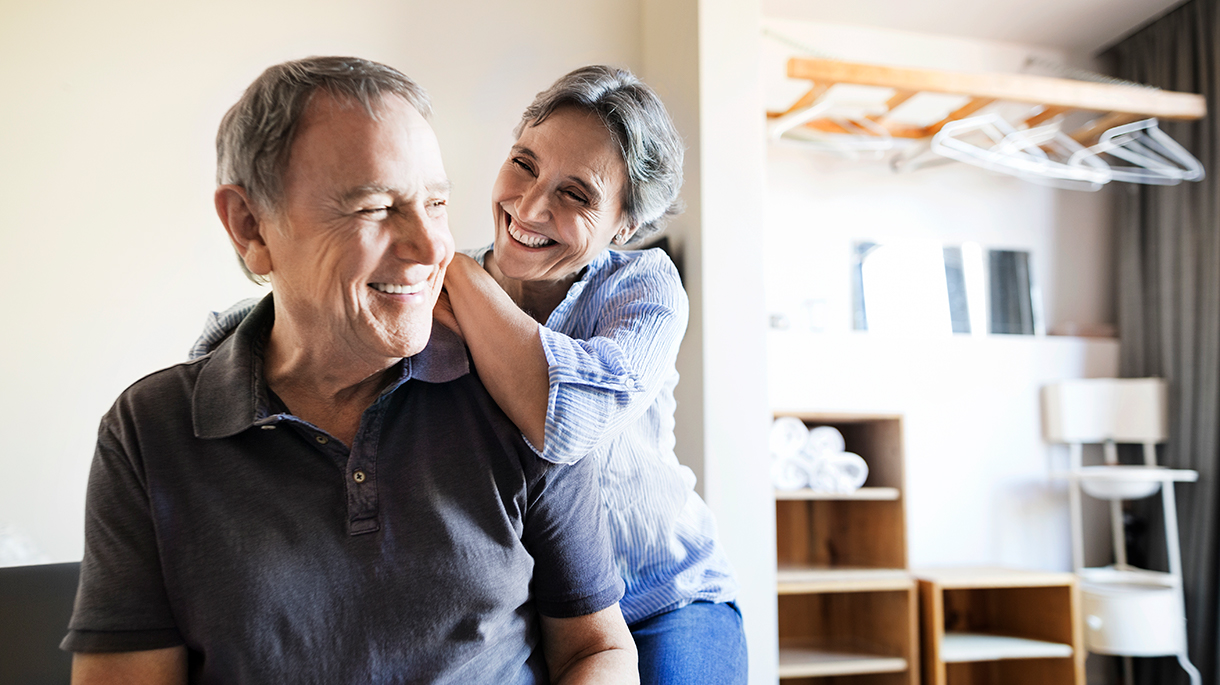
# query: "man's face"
[[359, 249]]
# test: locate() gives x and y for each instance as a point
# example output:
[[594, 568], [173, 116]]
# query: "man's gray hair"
[[641, 127], [256, 134]]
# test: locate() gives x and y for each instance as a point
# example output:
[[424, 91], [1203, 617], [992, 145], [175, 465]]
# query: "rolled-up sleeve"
[[601, 383]]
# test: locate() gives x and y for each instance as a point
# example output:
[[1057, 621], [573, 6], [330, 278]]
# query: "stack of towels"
[[814, 458]]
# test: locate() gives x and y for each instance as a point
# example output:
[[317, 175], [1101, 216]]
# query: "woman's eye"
[[575, 196], [374, 211], [438, 203], [522, 165]]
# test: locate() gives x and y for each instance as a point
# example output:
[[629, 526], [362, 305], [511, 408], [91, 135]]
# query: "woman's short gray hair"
[[256, 134], [640, 125]]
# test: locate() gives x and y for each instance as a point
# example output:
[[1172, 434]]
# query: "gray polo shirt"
[[217, 520]]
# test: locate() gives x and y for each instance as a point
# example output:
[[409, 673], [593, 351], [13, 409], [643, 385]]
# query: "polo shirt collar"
[[231, 393]]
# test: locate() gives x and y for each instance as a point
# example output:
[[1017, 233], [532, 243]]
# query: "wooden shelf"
[[874, 494], [846, 605], [980, 577], [813, 662], [1000, 625], [967, 647], [793, 580]]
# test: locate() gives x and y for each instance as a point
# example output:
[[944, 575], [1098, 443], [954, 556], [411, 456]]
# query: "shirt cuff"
[[589, 604], [120, 640], [570, 362]]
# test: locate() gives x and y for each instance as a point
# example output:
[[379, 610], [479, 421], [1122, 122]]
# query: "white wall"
[[708, 79], [112, 254], [976, 467]]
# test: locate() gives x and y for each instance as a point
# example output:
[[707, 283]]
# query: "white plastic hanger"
[[864, 135], [1039, 154], [1156, 158]]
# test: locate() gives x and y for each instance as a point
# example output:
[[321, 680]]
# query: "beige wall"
[[112, 254]]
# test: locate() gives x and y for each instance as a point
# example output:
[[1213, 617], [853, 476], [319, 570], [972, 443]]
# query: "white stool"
[[1127, 611]]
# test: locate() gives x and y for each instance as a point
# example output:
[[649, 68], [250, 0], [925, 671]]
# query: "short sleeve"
[[566, 533], [121, 603]]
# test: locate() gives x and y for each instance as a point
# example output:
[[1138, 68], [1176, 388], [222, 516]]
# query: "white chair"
[[1128, 611]]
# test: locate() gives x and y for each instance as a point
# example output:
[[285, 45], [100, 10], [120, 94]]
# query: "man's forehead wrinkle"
[[434, 187]]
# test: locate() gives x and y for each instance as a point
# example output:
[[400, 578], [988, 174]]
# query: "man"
[[331, 496]]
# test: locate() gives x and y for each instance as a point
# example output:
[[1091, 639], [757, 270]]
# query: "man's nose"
[[421, 238]]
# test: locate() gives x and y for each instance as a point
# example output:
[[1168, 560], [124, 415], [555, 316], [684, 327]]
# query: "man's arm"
[[596, 648], [151, 667]]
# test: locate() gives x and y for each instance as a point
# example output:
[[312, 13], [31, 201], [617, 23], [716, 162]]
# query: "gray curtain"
[[1169, 316]]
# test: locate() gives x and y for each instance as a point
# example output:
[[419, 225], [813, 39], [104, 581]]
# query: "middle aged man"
[[331, 496]]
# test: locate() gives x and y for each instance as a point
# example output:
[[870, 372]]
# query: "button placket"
[[362, 504]]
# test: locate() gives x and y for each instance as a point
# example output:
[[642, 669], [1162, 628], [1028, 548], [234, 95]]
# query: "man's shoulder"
[[177, 381]]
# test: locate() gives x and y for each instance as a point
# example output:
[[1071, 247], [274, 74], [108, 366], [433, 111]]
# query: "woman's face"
[[558, 201]]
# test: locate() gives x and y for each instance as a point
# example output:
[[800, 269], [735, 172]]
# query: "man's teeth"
[[393, 289], [528, 241]]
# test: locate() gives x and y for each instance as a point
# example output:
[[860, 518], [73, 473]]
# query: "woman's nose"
[[534, 205]]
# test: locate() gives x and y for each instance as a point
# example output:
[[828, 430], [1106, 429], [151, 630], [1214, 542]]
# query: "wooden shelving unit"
[[999, 626], [848, 607]]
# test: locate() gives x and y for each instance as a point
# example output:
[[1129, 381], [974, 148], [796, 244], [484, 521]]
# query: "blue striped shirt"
[[612, 346]]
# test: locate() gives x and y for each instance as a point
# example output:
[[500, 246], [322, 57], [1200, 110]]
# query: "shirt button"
[[322, 439], [358, 476]]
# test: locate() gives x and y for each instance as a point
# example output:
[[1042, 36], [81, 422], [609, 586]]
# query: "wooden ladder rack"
[[1048, 97]]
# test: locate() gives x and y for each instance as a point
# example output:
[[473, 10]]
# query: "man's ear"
[[245, 225]]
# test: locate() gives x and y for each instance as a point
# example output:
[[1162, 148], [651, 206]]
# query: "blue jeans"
[[700, 644]]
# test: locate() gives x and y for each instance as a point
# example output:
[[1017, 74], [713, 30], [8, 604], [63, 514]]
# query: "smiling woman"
[[577, 343]]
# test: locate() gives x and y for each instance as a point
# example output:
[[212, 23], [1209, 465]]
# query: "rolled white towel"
[[842, 472], [788, 436], [789, 473], [823, 440]]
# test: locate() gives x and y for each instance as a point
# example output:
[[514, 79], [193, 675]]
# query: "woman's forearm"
[[505, 345]]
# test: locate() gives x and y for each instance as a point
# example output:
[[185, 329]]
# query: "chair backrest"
[[35, 605], [1098, 410]]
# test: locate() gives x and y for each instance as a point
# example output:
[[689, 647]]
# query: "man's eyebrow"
[[438, 187], [522, 150]]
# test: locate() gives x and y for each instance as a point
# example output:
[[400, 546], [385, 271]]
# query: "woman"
[[577, 344]]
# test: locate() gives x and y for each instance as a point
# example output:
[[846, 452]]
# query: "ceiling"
[[1083, 26]]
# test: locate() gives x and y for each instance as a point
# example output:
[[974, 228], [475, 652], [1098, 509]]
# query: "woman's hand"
[[504, 342], [458, 274], [442, 311]]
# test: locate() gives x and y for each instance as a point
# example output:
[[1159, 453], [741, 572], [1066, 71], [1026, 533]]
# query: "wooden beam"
[[1042, 90], [1088, 134], [1046, 114], [962, 112], [815, 93]]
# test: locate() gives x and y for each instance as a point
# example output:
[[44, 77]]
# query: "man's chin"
[[410, 343]]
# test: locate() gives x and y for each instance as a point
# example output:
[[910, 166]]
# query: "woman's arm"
[[576, 393], [505, 344]]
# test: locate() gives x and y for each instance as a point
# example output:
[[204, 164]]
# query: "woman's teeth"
[[393, 289], [526, 240]]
